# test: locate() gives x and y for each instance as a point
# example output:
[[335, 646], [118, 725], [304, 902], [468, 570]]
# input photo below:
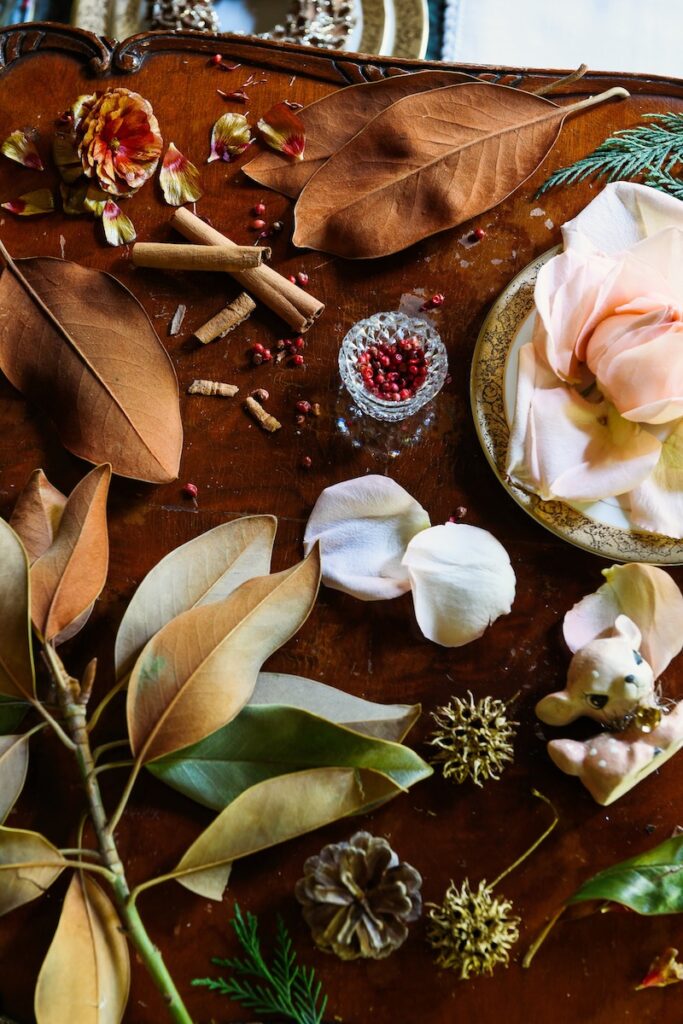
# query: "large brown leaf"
[[13, 768], [427, 163], [200, 670], [68, 577], [29, 864], [332, 121], [82, 348], [37, 514], [17, 678], [85, 976]]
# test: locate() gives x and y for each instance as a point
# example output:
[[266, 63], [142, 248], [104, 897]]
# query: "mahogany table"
[[588, 968]]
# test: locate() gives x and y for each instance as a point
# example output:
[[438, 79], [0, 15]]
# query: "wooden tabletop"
[[588, 968]]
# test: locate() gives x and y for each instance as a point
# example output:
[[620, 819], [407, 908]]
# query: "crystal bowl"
[[383, 329]]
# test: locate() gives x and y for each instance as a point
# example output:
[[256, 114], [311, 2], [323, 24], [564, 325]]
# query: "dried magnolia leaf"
[[30, 204], [17, 677], [333, 121], [230, 136], [29, 864], [118, 228], [205, 570], [13, 768], [37, 514], [179, 178], [428, 163], [284, 131], [68, 577], [274, 811], [199, 671], [20, 146], [85, 976], [82, 348]]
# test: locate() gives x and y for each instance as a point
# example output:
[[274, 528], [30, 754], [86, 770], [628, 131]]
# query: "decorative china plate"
[[601, 527]]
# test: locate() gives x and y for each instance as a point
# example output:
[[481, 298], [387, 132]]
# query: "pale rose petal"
[[179, 178], [657, 505], [620, 216], [364, 526], [462, 581], [563, 446], [648, 596], [118, 228]]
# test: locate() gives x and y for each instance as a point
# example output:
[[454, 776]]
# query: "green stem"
[[113, 764], [104, 703], [106, 747], [125, 796], [74, 716], [534, 845]]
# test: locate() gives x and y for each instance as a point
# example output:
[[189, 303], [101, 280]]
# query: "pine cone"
[[358, 898]]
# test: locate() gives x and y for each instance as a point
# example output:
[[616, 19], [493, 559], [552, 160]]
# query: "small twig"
[[569, 79], [97, 713], [535, 844], [53, 723], [113, 764], [105, 747]]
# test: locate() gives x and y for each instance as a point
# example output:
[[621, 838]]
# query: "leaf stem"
[[125, 796], [53, 723], [106, 747], [541, 937], [113, 764], [104, 703], [534, 845]]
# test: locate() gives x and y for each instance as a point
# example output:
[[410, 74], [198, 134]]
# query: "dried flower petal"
[[473, 739], [283, 131], [119, 140], [664, 970], [118, 228], [239, 96], [95, 200], [73, 198], [31, 203], [179, 178], [20, 146], [472, 931], [230, 136]]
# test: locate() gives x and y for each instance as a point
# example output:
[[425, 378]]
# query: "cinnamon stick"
[[263, 418], [297, 307], [212, 387], [227, 320], [161, 256]]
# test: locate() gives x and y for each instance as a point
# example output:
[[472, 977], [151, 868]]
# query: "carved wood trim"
[[107, 56]]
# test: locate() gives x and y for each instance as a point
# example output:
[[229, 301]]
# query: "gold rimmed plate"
[[601, 527]]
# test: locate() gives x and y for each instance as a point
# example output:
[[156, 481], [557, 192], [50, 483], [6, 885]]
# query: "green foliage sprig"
[[284, 988], [650, 151]]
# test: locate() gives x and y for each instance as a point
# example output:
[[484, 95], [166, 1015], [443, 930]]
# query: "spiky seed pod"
[[473, 739], [358, 898], [471, 931]]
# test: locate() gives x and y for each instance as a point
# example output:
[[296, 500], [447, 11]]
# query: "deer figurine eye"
[[598, 700]]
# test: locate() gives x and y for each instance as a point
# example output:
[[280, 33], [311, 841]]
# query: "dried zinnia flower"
[[179, 178], [358, 898], [118, 228], [283, 131], [31, 203], [20, 146], [473, 739], [472, 931], [119, 140], [230, 136]]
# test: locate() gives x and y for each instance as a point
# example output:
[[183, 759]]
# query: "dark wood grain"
[[588, 968]]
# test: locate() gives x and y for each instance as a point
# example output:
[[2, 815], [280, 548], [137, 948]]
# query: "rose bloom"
[[599, 406], [119, 141]]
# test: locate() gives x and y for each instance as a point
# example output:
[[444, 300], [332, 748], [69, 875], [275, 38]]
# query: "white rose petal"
[[462, 581], [364, 526]]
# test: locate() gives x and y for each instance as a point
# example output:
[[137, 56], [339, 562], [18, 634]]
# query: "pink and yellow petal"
[[31, 203], [19, 146], [283, 131], [179, 178], [230, 136], [118, 228]]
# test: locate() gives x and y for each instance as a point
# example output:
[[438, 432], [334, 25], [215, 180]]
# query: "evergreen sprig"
[[651, 150], [283, 988]]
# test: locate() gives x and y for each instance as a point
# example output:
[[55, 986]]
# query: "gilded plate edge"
[[486, 396], [411, 36]]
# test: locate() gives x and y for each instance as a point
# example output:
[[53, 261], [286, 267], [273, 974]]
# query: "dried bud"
[[358, 898], [260, 394]]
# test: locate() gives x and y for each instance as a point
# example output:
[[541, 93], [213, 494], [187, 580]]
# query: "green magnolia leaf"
[[12, 714], [651, 883], [385, 721], [272, 812], [269, 740]]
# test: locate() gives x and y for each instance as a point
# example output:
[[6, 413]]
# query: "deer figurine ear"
[[558, 708], [627, 630]]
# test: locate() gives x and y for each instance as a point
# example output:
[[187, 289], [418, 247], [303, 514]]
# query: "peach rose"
[[599, 407]]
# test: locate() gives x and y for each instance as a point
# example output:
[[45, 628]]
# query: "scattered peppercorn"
[[394, 372], [302, 279], [277, 226], [257, 224], [260, 394], [306, 462], [259, 210], [432, 303], [315, 409], [299, 419], [190, 490], [216, 59], [304, 407], [459, 514], [291, 279], [477, 235], [298, 360]]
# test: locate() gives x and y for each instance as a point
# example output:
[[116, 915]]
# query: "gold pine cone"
[[358, 898]]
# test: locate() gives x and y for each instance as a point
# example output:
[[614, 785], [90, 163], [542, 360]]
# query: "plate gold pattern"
[[411, 18], [487, 392]]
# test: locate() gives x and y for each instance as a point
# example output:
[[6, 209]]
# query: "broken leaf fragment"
[[118, 228], [65, 155], [19, 146], [230, 136], [73, 198], [284, 131], [179, 178], [31, 203], [664, 970]]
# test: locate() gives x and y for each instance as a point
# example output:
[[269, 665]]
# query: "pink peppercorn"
[[190, 490], [298, 360], [306, 462], [303, 407], [216, 59], [302, 279], [259, 210], [257, 225]]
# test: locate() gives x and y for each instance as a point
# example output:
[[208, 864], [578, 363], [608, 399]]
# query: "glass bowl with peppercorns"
[[392, 364]]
